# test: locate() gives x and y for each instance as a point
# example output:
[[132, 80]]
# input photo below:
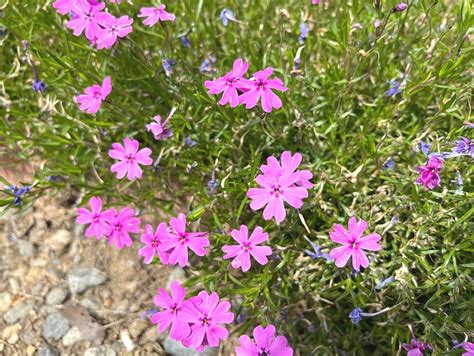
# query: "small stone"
[[18, 311], [10, 333], [137, 327], [55, 326], [56, 295], [47, 350], [83, 278], [151, 335], [5, 301], [176, 348], [104, 350], [60, 240], [72, 336], [39, 263], [90, 303], [30, 350], [26, 248]]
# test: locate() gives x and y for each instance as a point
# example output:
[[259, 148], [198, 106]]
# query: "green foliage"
[[335, 113]]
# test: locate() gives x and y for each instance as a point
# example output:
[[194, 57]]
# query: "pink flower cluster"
[[196, 322], [280, 183], [115, 226], [259, 87], [130, 158], [265, 343], [91, 100], [429, 173]]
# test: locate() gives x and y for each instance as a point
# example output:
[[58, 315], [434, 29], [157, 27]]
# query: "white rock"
[[72, 336]]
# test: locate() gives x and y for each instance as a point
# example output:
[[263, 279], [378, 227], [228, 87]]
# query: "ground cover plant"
[[314, 159]]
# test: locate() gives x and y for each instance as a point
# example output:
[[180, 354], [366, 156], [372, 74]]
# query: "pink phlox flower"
[[417, 347], [247, 247], [172, 312], [265, 343], [228, 84], [315, 2], [261, 87], [152, 242], [155, 14], [116, 1], [289, 163], [64, 7], [178, 240], [468, 347], [122, 224], [206, 314], [277, 185], [353, 244], [130, 159], [93, 96], [85, 19], [159, 129], [429, 174], [99, 220], [113, 28]]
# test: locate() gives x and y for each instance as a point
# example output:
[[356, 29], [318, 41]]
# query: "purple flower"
[[424, 147], [39, 85], [417, 347], [189, 142], [168, 66], [400, 7], [464, 146], [18, 193], [206, 65], [383, 283], [303, 33], [212, 185], [317, 252], [159, 129], [356, 315], [389, 164], [185, 40], [226, 16], [429, 173], [394, 88]]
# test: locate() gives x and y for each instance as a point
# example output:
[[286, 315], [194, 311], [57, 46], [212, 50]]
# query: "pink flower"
[[261, 87], [64, 7], [116, 1], [159, 130], [172, 313], [429, 174], [113, 29], [155, 14], [468, 347], [315, 2], [122, 224], [265, 343], [353, 244], [130, 158], [152, 242], [278, 185], [289, 164], [99, 220], [93, 96], [206, 314], [247, 247], [179, 240], [85, 18], [228, 84]]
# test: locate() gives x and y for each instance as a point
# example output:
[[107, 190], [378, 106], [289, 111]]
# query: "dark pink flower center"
[[205, 320], [130, 158], [263, 352], [175, 308], [183, 238], [246, 246], [96, 218], [154, 242], [261, 84], [276, 190]]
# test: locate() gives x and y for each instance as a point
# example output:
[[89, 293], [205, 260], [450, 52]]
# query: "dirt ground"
[[64, 294]]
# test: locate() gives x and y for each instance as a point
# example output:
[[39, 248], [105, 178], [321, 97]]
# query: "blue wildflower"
[[394, 88], [389, 164], [424, 147], [39, 85], [242, 316], [226, 16], [357, 314], [147, 313], [464, 146], [189, 142], [303, 33], [317, 252], [185, 42], [190, 167], [312, 328], [168, 66], [18, 193], [383, 283], [212, 185]]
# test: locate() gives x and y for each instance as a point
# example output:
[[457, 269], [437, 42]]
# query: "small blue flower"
[[390, 164], [356, 316], [394, 88], [39, 85], [185, 41], [212, 185], [242, 316], [464, 146], [303, 33], [312, 328], [317, 252], [383, 283], [147, 314], [226, 16], [189, 142], [424, 147], [168, 66], [206, 65], [18, 193]]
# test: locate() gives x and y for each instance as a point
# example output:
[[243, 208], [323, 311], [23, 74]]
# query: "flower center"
[[96, 218], [261, 84], [130, 158], [183, 238], [263, 352], [246, 246], [276, 190], [205, 320], [175, 309], [154, 242]]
